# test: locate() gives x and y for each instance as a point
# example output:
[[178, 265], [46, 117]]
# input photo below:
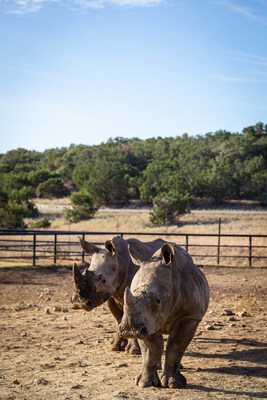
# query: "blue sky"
[[82, 71]]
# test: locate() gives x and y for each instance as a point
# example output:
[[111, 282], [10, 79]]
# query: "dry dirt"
[[51, 354]]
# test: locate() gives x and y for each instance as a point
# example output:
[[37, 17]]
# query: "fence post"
[[34, 250], [83, 251], [55, 249], [250, 251], [186, 243], [219, 242]]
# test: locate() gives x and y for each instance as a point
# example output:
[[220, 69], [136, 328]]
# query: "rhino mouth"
[[130, 333]]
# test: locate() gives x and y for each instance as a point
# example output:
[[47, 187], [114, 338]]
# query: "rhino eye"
[[158, 300], [103, 280]]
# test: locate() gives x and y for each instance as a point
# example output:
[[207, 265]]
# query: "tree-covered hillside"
[[220, 165]]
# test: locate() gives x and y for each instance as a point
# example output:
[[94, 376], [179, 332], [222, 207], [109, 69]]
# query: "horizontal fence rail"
[[64, 245]]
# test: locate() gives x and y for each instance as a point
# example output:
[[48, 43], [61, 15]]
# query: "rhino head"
[[99, 282], [147, 303], [86, 296]]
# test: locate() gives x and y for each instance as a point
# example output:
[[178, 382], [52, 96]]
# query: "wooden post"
[[55, 249], [219, 242], [34, 250]]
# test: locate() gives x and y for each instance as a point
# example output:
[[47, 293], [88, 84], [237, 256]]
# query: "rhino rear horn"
[[128, 297], [167, 254], [88, 247], [77, 276]]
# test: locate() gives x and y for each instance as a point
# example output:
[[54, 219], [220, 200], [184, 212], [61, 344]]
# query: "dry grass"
[[137, 221]]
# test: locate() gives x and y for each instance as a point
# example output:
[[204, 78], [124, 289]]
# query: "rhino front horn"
[[77, 274], [128, 297]]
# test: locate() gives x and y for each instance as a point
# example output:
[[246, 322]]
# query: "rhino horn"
[[128, 297], [88, 247], [77, 276]]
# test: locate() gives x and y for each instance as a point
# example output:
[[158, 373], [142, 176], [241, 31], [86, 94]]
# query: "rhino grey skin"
[[110, 272], [168, 295]]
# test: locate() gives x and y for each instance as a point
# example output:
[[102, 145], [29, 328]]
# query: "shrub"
[[41, 223], [168, 207], [11, 215]]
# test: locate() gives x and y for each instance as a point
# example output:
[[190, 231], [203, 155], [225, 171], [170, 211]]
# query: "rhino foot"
[[133, 347], [174, 381], [145, 379], [119, 344]]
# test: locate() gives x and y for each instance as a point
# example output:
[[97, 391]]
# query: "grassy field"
[[136, 221]]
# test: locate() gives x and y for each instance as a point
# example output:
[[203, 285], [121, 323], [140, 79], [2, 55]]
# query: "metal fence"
[[52, 246]]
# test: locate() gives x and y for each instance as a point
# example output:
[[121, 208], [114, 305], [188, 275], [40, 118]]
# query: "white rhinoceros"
[[110, 272], [168, 295]]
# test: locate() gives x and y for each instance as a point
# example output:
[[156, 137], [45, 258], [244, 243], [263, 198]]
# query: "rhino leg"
[[118, 343], [133, 347], [176, 346], [151, 350]]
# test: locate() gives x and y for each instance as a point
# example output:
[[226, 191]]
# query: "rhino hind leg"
[[133, 347], [118, 343], [176, 346]]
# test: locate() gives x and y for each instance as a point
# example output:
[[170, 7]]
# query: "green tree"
[[108, 183], [168, 207], [53, 187], [82, 207]]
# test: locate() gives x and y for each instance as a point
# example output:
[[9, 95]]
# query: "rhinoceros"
[[110, 272], [168, 295]]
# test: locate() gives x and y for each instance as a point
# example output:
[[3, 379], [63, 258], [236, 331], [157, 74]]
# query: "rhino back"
[[144, 250], [190, 287]]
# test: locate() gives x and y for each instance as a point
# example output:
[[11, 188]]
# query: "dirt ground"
[[49, 351]]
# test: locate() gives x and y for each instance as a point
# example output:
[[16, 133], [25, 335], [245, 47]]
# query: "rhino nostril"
[[143, 331]]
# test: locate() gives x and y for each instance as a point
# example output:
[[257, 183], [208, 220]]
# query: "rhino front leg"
[[176, 346], [118, 343], [151, 349]]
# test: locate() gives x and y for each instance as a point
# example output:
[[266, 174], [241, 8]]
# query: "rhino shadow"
[[253, 395], [253, 355]]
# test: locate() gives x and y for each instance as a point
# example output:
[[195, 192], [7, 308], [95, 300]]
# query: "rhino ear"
[[88, 247], [167, 254], [134, 255], [128, 297], [110, 247]]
